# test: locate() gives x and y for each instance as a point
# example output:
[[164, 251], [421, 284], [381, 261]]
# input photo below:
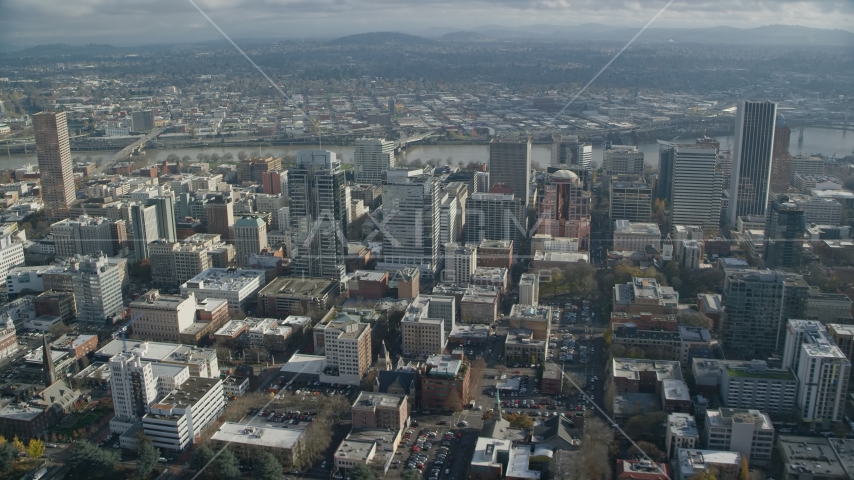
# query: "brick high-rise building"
[[55, 166]]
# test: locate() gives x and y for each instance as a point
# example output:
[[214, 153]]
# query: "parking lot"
[[438, 446]]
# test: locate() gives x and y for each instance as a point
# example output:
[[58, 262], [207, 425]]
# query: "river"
[[816, 141]]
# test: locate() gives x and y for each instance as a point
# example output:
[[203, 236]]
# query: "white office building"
[[235, 286], [697, 186], [97, 290], [529, 289], [175, 422], [748, 432], [371, 160]]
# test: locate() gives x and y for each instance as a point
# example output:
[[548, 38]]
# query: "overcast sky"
[[125, 22]]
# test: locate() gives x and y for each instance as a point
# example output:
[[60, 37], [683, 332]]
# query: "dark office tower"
[[751, 163], [318, 209], [758, 304], [143, 120], [510, 164], [55, 168], [220, 213], [391, 106], [784, 234], [666, 159], [781, 163]]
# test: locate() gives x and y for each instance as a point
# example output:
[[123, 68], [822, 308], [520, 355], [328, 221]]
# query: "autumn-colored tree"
[[36, 448], [519, 421], [19, 445], [744, 471], [454, 403]]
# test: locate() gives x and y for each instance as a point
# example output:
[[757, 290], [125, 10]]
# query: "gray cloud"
[[154, 21]]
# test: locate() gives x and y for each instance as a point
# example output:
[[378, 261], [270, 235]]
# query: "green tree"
[[410, 475], [88, 461], [200, 457], [147, 459], [35, 449], [225, 466], [7, 456], [362, 472], [268, 468]]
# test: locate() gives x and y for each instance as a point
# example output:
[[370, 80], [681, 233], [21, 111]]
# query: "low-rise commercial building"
[[645, 295], [285, 296], [380, 411], [747, 384], [748, 432], [445, 383], [236, 286], [691, 462], [286, 444], [633, 236], [813, 457]]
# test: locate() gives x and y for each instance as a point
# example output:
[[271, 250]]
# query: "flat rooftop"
[[296, 287], [305, 364], [259, 434], [631, 367], [370, 400], [225, 279], [359, 450]]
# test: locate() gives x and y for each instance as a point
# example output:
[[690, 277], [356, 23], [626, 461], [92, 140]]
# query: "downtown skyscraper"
[[697, 186], [751, 166], [318, 215], [372, 159], [510, 164], [55, 167], [411, 211]]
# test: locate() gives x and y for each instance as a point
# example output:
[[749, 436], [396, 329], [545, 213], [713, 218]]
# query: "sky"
[[129, 22]]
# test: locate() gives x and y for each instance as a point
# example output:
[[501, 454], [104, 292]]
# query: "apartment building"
[[346, 344], [426, 324], [380, 410], [460, 262], [236, 286]]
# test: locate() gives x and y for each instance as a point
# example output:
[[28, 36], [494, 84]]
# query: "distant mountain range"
[[382, 38], [789, 35]]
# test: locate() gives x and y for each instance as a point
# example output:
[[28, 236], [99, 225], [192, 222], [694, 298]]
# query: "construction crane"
[[123, 331]]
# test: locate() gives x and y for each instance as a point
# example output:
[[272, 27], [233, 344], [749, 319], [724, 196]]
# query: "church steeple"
[[383, 359], [47, 360]]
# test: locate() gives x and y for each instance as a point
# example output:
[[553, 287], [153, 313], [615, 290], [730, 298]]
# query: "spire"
[[496, 410], [47, 360]]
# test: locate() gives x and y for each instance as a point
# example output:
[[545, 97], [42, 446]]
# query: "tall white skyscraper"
[[411, 213], [510, 164], [55, 167], [372, 159], [697, 186], [751, 163], [134, 389], [318, 215]]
